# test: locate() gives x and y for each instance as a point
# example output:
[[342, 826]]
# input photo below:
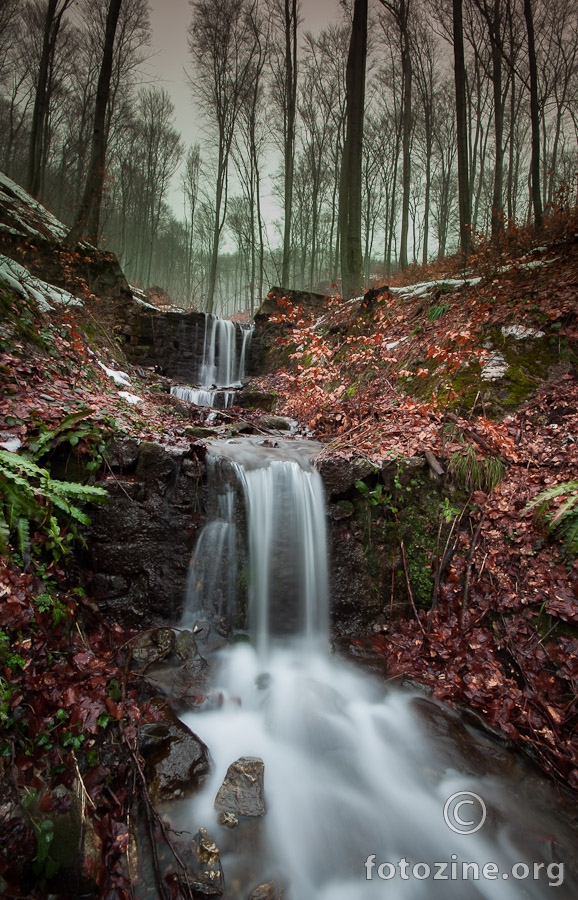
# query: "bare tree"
[[53, 14], [88, 215], [400, 11], [351, 165], [221, 42], [285, 18], [190, 182]]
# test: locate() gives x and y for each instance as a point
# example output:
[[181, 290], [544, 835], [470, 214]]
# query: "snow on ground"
[[20, 280], [28, 213], [117, 376]]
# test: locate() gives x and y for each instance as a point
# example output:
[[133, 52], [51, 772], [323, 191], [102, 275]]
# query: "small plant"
[[29, 495], [474, 474], [437, 311], [562, 522], [377, 497]]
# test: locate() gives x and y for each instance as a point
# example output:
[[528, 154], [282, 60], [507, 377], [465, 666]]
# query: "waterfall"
[[286, 553], [357, 778], [222, 366]]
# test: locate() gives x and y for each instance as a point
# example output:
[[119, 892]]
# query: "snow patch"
[[495, 367], [520, 332], [117, 376], [20, 280], [130, 398], [11, 193], [10, 443]]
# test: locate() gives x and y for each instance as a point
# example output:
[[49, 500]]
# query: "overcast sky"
[[170, 20]]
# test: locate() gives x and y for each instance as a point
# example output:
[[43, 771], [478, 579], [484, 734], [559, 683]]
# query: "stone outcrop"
[[265, 354], [140, 543]]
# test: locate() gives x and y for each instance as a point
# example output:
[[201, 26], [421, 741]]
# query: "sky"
[[170, 20]]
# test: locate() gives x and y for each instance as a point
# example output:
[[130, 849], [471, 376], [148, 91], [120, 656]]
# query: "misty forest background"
[[270, 103]]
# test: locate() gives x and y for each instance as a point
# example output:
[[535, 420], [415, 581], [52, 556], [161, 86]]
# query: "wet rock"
[[363, 654], [122, 454], [252, 399], [183, 684], [343, 509], [140, 542], [228, 820], [185, 645], [268, 891], [339, 475], [153, 645], [176, 760], [241, 792], [207, 876], [200, 431], [275, 423], [240, 427]]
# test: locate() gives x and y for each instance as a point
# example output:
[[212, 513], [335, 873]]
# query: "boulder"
[[241, 793], [176, 760]]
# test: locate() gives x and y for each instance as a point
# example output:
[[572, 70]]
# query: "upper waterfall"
[[225, 351]]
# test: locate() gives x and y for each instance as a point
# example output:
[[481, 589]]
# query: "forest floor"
[[379, 378]]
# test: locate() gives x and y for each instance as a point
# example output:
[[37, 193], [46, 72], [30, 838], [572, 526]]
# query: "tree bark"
[[88, 216], [351, 166], [52, 22], [291, 95], [464, 195], [535, 116]]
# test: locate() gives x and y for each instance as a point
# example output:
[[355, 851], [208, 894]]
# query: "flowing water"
[[223, 366], [358, 779]]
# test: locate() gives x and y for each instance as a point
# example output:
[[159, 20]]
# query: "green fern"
[[562, 521], [29, 495]]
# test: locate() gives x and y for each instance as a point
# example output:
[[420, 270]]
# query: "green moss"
[[529, 362]]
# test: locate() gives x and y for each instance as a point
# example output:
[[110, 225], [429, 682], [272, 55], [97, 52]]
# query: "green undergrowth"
[[406, 508]]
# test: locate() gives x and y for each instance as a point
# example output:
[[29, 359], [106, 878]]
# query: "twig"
[[470, 562], [409, 590]]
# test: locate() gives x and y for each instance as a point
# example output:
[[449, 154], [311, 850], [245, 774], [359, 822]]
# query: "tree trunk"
[[89, 212], [535, 116], [291, 94], [406, 66], [351, 166], [52, 22], [464, 195]]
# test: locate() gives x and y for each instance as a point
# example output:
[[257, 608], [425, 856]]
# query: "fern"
[[562, 521], [29, 495]]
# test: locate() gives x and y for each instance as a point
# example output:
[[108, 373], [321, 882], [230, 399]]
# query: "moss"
[[529, 362], [411, 513]]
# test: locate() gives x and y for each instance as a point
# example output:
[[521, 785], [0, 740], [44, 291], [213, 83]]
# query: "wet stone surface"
[[241, 793]]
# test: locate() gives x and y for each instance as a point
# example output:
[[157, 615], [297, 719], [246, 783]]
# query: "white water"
[[222, 367], [350, 770]]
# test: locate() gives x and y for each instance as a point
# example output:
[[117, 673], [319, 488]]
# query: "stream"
[[370, 790]]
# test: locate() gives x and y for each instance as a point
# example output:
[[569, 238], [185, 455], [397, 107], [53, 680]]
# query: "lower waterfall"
[[369, 792]]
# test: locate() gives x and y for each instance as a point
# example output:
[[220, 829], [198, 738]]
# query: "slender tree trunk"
[[406, 65], [291, 94], [534, 115], [88, 215], [351, 166], [464, 193], [52, 21]]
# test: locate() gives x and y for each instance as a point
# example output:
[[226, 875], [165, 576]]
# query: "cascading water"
[[357, 780], [223, 365]]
